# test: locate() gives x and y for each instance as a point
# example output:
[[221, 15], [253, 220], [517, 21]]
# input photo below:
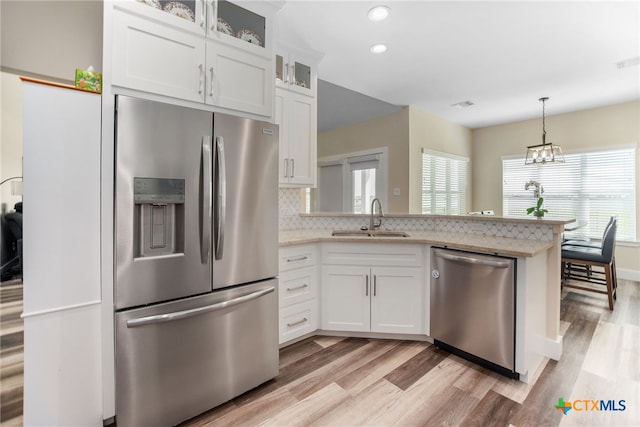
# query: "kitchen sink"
[[388, 233], [369, 233]]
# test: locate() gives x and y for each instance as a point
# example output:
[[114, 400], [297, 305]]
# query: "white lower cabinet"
[[298, 292], [386, 298]]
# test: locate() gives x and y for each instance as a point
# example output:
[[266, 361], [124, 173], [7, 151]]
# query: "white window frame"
[[463, 183], [561, 199]]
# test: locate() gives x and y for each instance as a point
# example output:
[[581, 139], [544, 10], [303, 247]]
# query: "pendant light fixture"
[[545, 152]]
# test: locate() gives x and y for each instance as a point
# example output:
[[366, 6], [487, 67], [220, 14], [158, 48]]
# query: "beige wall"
[[405, 133], [51, 38], [595, 128], [391, 131], [434, 133]]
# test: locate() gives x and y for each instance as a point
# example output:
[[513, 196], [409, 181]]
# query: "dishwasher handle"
[[169, 317], [476, 261]]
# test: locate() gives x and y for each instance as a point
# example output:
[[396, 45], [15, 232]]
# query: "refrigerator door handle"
[[178, 315], [471, 260], [221, 197], [205, 230]]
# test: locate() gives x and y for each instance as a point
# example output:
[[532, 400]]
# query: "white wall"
[[10, 136]]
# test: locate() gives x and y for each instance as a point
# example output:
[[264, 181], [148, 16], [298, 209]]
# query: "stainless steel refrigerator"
[[196, 230]]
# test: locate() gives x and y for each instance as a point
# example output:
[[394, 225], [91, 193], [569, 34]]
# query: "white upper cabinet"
[[217, 52], [297, 117], [156, 58], [295, 72]]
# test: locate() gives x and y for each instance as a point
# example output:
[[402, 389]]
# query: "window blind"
[[444, 183], [590, 186]]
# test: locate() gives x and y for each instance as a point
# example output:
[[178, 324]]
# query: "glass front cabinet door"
[[295, 72]]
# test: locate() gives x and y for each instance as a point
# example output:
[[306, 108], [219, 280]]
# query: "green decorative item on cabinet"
[[537, 209]]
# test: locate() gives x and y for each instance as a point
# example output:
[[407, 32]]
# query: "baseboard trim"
[[553, 348], [627, 274]]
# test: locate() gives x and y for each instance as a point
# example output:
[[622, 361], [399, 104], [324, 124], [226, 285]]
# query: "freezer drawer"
[[473, 306], [176, 360]]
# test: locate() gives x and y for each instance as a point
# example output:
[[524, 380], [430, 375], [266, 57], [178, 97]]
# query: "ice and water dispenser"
[[159, 216]]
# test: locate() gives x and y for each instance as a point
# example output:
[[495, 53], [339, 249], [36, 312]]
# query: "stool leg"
[[609, 278]]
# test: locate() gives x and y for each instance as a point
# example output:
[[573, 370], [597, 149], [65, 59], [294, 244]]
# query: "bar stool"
[[578, 262]]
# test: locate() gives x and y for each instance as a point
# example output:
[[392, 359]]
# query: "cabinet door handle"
[[293, 167], [214, 15], [366, 285], [297, 287], [201, 78], [300, 258], [304, 319], [286, 168], [203, 14], [211, 82], [375, 285]]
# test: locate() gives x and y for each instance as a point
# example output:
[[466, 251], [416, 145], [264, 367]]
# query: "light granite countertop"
[[474, 242]]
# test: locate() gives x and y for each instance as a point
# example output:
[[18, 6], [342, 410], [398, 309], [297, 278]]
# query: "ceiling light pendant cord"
[[544, 131]]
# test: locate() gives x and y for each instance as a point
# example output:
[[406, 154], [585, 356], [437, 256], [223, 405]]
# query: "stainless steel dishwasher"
[[473, 307]]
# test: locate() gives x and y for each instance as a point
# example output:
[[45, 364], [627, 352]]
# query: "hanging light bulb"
[[545, 152]]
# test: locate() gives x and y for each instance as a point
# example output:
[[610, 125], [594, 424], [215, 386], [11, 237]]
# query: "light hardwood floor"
[[11, 353], [331, 381]]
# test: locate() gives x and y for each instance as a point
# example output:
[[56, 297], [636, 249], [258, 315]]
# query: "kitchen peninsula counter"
[[472, 242], [535, 241]]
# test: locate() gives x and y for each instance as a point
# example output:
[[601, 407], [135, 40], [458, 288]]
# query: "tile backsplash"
[[290, 220]]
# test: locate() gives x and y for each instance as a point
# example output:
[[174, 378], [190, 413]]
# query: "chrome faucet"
[[372, 224]]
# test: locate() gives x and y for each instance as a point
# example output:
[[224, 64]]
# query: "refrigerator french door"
[[196, 198]]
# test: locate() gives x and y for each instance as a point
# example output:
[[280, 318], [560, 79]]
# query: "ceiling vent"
[[463, 104], [631, 62]]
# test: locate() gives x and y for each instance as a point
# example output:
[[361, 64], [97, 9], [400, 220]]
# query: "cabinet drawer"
[[373, 254], [298, 285], [298, 320], [297, 257]]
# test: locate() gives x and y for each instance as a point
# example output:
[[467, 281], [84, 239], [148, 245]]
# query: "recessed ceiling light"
[[378, 48], [378, 13]]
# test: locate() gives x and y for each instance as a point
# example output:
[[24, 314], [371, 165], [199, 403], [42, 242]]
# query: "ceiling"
[[502, 56]]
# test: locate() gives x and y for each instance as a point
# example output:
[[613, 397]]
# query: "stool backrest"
[[609, 241]]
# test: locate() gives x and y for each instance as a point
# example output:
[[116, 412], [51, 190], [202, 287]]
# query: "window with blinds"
[[444, 183], [590, 186]]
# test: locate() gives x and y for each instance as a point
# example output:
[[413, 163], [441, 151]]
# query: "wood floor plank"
[[210, 417], [256, 411], [477, 380], [517, 390], [298, 351], [327, 340], [416, 404], [455, 405], [309, 409], [558, 378], [416, 367], [365, 408], [614, 352], [493, 410], [340, 367], [302, 367], [368, 374]]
